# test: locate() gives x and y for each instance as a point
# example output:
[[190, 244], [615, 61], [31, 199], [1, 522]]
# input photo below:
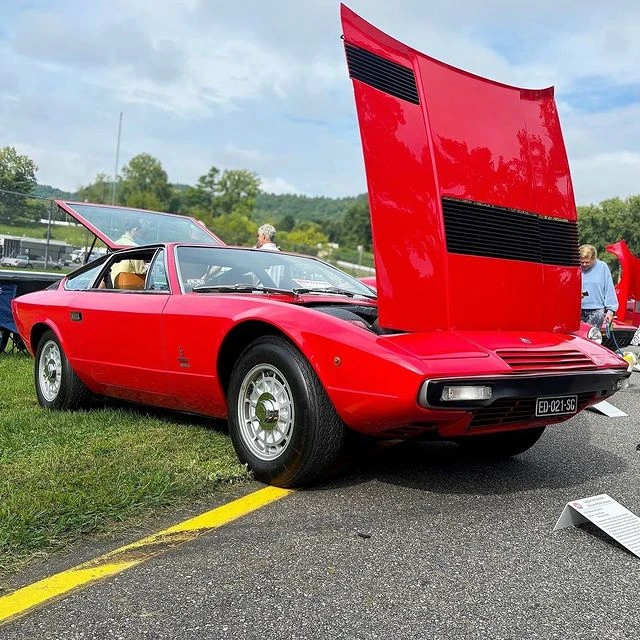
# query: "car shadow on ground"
[[168, 415], [565, 456], [560, 459]]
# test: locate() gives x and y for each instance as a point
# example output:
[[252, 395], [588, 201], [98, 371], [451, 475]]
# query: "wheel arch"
[[236, 341], [37, 331]]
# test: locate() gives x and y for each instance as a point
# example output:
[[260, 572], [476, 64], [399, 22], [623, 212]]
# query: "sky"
[[262, 84]]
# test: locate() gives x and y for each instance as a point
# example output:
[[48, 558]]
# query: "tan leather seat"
[[128, 280]]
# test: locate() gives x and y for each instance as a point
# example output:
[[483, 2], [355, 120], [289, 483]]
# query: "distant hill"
[[46, 191], [269, 206]]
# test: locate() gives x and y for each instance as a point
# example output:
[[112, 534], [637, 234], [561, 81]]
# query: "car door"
[[117, 333]]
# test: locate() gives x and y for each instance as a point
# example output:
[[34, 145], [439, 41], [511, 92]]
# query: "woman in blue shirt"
[[598, 293]]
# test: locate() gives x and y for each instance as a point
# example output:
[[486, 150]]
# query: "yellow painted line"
[[20, 601]]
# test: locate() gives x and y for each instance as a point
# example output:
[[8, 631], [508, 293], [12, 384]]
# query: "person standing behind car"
[[599, 298], [266, 238], [266, 242]]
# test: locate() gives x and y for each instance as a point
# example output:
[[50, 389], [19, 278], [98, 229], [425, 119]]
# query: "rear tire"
[[57, 385], [501, 445], [281, 421]]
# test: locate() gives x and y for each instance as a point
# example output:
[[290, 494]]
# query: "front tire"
[[57, 385], [501, 445], [281, 421]]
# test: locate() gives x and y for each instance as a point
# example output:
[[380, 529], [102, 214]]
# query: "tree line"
[[232, 204], [609, 221]]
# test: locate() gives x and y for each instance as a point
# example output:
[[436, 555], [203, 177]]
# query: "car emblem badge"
[[525, 340]]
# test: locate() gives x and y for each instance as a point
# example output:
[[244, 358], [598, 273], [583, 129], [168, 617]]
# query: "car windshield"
[[207, 269], [150, 226]]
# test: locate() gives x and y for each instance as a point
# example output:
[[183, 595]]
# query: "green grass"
[[64, 474]]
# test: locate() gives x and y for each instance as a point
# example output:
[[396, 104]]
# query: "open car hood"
[[473, 216], [109, 223], [628, 287]]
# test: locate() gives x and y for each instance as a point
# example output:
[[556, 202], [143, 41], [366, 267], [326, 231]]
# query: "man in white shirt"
[[266, 237]]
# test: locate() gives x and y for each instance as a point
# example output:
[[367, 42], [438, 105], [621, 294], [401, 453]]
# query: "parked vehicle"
[[80, 256], [30, 261], [295, 353]]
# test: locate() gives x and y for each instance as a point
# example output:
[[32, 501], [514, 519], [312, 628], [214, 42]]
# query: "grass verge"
[[63, 474]]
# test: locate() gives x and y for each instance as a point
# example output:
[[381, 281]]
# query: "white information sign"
[[607, 409], [607, 514]]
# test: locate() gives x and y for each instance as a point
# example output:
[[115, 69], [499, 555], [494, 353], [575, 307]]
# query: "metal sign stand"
[[608, 515]]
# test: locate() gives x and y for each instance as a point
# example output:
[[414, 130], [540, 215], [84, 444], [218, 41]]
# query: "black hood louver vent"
[[382, 74], [478, 229]]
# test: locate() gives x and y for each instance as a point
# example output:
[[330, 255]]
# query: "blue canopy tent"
[[9, 337], [12, 284]]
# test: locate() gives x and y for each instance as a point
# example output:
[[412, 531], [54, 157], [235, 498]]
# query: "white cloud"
[[236, 156], [606, 175], [263, 86], [278, 185]]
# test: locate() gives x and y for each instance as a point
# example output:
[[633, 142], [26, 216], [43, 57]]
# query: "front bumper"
[[514, 399], [600, 384]]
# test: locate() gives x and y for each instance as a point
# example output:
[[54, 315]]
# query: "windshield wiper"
[[240, 288], [336, 290]]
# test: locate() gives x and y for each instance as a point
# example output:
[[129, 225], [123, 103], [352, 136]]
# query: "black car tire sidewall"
[[297, 461]]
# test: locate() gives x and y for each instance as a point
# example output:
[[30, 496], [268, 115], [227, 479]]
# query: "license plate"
[[556, 405]]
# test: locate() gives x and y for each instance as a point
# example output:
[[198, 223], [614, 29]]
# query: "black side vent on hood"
[[478, 229], [382, 74]]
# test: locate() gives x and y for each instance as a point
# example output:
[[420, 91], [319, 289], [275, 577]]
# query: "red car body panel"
[[628, 287], [164, 349], [463, 138]]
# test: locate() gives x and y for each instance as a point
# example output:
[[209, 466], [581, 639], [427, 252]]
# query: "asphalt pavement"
[[415, 541]]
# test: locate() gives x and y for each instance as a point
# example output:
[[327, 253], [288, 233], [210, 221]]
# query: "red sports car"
[[470, 337]]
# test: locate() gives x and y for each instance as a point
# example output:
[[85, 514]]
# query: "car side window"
[[157, 279], [127, 271], [84, 280]]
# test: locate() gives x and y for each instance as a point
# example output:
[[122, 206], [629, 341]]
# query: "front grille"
[[479, 229], [512, 411], [530, 360], [382, 74]]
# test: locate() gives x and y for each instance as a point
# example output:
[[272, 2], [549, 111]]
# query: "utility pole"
[[114, 185], [46, 250]]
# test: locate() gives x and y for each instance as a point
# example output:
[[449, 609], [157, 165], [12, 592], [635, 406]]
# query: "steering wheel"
[[230, 277]]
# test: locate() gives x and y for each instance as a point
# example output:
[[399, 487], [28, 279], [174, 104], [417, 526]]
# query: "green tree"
[[356, 226], [144, 184], [199, 200], [99, 191], [632, 224], [234, 228], [17, 174], [237, 190], [287, 223], [305, 238]]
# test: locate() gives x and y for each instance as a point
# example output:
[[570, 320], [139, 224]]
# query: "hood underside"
[[472, 210]]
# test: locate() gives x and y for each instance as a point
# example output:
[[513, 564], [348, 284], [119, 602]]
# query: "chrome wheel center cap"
[[50, 371], [267, 411]]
